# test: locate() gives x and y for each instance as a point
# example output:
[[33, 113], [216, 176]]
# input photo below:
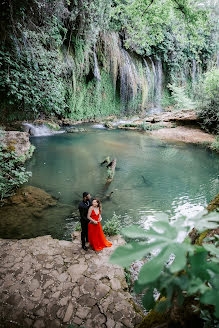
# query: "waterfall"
[[148, 73], [130, 80], [158, 86], [39, 130], [96, 67], [154, 77], [138, 81]]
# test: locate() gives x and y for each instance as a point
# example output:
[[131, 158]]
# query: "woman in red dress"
[[96, 236]]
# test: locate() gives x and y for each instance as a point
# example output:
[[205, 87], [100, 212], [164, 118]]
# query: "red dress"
[[96, 236]]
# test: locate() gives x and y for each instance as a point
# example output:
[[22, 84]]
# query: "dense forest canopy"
[[69, 58]]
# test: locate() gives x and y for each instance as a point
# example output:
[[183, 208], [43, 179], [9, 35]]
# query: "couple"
[[91, 230]]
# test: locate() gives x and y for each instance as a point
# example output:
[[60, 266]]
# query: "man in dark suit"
[[83, 209]]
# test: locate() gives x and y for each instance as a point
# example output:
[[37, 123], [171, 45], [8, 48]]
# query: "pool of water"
[[151, 176]]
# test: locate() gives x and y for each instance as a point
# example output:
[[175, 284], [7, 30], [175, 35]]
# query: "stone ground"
[[54, 283], [183, 134]]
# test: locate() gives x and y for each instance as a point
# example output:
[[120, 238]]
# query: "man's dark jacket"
[[83, 209]]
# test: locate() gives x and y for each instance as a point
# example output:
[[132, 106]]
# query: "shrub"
[[209, 101], [78, 226], [151, 127], [177, 269], [215, 144], [12, 172], [112, 227], [182, 101]]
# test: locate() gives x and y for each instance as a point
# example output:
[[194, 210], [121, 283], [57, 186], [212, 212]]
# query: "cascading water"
[[130, 80], [158, 85], [96, 67], [148, 73], [138, 81], [154, 79], [39, 130]]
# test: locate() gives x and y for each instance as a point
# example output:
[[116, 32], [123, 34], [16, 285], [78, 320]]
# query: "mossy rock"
[[50, 124], [75, 130], [214, 204], [153, 319], [53, 126], [108, 125]]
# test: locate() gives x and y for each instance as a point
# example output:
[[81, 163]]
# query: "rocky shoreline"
[[173, 126], [52, 283]]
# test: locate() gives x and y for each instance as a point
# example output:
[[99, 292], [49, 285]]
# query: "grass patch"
[[151, 127], [78, 226]]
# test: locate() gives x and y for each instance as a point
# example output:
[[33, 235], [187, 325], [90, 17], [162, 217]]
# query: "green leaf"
[[125, 255], [148, 299], [135, 232], [179, 262], [212, 249], [198, 263], [165, 227], [152, 269], [204, 221], [212, 297], [196, 284]]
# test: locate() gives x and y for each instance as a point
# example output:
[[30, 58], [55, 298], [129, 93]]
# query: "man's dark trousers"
[[83, 209], [84, 232]]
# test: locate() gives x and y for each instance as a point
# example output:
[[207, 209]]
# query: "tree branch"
[[147, 7]]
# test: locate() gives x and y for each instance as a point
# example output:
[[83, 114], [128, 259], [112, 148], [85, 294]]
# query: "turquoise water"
[[152, 176]]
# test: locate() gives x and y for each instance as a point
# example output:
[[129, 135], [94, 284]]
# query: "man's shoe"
[[85, 248]]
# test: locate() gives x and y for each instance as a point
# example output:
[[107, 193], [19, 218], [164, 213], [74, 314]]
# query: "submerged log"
[[106, 161], [110, 173], [111, 169], [107, 197]]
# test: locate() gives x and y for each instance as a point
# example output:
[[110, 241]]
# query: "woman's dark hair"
[[99, 203]]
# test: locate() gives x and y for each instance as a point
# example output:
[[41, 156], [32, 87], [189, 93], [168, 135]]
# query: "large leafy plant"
[[12, 172], [174, 267]]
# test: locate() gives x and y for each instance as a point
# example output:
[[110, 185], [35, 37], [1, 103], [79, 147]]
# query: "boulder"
[[18, 142]]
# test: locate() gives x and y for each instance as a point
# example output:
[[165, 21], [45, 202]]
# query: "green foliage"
[[167, 100], [47, 54], [78, 226], [176, 31], [176, 269], [12, 172], [93, 99], [215, 144], [182, 101], [32, 81], [112, 226], [127, 276], [151, 127], [209, 102]]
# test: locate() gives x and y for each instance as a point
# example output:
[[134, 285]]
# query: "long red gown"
[[96, 236]]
